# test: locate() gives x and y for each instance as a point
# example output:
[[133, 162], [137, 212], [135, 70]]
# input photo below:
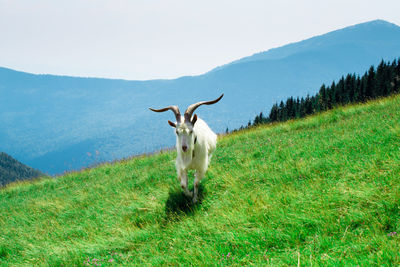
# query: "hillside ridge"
[[286, 50], [12, 170]]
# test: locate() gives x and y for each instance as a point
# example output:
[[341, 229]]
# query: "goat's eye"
[[176, 132], [191, 131]]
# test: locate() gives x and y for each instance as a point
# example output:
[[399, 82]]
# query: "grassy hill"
[[323, 190]]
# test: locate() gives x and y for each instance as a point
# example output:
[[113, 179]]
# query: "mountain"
[[366, 36], [58, 123], [12, 170], [320, 191]]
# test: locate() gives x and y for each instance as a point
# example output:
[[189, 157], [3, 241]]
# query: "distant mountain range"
[[59, 123], [12, 170]]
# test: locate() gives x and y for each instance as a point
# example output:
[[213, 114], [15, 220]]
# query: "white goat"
[[195, 143]]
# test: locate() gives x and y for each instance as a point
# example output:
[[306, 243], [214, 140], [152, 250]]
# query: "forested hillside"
[[12, 170], [375, 83]]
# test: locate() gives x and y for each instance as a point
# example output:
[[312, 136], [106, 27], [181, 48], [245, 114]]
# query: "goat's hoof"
[[194, 200]]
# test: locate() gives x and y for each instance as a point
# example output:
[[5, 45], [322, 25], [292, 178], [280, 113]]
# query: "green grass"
[[324, 190]]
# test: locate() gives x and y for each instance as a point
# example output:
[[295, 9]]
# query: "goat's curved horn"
[[174, 109], [189, 111]]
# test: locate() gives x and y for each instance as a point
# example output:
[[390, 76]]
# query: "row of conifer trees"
[[379, 82]]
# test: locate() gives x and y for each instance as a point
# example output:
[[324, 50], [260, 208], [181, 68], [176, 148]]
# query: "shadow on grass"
[[179, 204]]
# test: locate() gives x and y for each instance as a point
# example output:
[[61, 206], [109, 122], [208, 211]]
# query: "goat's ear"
[[172, 124], [194, 119]]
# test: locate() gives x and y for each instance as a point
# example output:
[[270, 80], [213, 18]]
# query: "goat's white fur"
[[198, 154], [195, 143]]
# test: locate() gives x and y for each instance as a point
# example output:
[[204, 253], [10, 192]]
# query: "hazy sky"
[[147, 39]]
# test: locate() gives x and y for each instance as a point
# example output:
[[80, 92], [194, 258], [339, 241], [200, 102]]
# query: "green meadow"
[[324, 190]]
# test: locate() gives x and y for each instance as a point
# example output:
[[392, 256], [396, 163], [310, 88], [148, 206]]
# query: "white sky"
[[148, 39]]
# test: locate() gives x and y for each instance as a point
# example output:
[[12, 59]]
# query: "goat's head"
[[184, 124]]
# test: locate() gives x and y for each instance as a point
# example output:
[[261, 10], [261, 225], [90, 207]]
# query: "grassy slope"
[[323, 190]]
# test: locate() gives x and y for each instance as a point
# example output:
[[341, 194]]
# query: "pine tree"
[[308, 106], [290, 108], [370, 84], [332, 94], [273, 115], [357, 90], [322, 98], [297, 107], [282, 112]]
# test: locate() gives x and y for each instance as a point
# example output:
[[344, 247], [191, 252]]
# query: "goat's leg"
[[184, 181], [198, 176]]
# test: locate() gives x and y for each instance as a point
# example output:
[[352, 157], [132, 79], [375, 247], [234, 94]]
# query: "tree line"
[[379, 82]]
